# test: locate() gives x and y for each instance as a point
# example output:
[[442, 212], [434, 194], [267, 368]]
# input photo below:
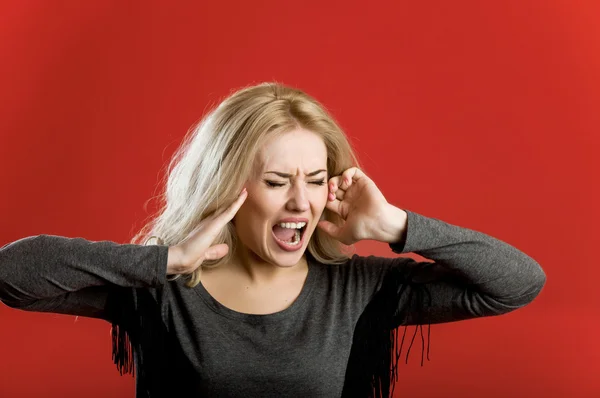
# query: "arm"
[[473, 274], [74, 276]]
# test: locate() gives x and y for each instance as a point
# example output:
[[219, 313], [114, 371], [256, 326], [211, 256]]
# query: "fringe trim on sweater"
[[138, 340], [373, 363], [122, 353]]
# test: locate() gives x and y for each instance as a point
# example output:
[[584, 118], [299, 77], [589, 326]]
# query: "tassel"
[[373, 364], [138, 338], [120, 308], [122, 353]]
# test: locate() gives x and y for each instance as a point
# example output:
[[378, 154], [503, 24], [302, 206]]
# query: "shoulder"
[[364, 272], [377, 261], [366, 264]]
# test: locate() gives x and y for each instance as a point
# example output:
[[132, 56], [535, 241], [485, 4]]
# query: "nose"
[[298, 199]]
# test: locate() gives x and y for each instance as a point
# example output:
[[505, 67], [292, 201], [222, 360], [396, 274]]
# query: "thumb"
[[330, 228], [217, 251]]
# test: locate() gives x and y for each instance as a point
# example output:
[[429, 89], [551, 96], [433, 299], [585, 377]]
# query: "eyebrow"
[[285, 175]]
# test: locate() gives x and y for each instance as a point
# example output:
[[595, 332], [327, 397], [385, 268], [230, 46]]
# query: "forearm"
[[491, 267], [47, 266]]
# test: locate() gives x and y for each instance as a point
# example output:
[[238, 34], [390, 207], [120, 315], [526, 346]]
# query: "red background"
[[482, 114]]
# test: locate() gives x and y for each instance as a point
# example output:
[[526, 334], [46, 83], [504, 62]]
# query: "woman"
[[249, 290]]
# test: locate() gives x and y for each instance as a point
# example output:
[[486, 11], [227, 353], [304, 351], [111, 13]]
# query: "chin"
[[289, 260]]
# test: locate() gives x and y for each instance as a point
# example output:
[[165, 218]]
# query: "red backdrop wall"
[[482, 114]]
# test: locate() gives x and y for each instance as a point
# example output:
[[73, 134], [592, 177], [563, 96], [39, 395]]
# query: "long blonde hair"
[[222, 147]]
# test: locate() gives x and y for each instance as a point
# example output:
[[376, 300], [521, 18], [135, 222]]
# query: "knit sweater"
[[335, 340]]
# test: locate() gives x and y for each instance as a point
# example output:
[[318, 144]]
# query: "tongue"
[[284, 234]]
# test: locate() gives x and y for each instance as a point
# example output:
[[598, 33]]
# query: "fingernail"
[[243, 191]]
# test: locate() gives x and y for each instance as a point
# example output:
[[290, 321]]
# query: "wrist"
[[393, 225], [174, 260]]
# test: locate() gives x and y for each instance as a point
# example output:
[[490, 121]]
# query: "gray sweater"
[[334, 340]]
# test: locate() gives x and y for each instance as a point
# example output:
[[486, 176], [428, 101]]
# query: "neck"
[[259, 272]]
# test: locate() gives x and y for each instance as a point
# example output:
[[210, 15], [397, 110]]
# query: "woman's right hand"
[[189, 254]]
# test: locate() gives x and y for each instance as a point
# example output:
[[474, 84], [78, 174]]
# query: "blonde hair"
[[222, 147]]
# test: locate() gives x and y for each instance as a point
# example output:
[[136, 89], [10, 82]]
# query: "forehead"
[[293, 150]]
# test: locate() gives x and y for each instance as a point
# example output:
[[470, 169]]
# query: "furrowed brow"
[[285, 175]]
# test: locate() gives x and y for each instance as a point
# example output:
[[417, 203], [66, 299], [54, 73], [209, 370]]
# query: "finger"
[[349, 176], [339, 194], [345, 180], [217, 251], [330, 228], [227, 215], [334, 184], [335, 206], [213, 225], [212, 253]]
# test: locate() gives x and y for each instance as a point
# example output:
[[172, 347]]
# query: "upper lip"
[[293, 219]]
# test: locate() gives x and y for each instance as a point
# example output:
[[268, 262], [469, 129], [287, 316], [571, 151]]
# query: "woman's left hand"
[[365, 212]]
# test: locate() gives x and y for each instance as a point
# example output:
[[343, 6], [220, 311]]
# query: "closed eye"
[[275, 184]]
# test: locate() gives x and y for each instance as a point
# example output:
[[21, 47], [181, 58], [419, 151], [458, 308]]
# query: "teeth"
[[295, 242], [292, 225]]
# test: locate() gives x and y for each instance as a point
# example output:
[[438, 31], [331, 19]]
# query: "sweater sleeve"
[[47, 273], [472, 274]]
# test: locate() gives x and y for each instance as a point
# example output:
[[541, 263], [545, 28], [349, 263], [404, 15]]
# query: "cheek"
[[319, 199], [252, 217], [323, 193]]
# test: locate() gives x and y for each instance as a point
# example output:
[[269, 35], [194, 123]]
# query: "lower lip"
[[289, 248]]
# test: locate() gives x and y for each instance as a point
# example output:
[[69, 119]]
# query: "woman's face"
[[287, 193]]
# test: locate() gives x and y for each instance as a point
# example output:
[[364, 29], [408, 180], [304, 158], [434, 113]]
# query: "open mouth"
[[289, 234]]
